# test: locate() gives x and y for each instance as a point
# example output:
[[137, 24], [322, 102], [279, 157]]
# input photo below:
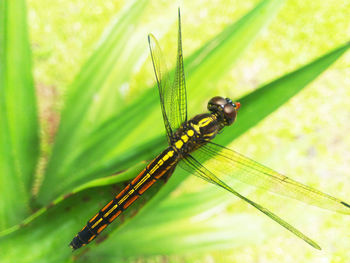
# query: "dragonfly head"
[[225, 109]]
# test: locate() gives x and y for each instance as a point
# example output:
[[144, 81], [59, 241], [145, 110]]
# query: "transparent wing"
[[172, 95], [178, 102], [194, 166], [162, 78], [226, 163]]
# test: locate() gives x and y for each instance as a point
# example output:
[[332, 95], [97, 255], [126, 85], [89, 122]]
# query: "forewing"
[[194, 166], [178, 100], [172, 95], [163, 81], [226, 163]]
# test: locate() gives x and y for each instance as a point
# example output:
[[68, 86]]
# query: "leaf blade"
[[75, 120], [19, 142]]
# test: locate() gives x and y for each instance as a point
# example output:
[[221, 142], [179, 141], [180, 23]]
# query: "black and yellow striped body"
[[155, 170], [191, 135]]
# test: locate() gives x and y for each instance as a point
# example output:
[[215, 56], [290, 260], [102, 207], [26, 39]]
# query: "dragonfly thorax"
[[195, 133]]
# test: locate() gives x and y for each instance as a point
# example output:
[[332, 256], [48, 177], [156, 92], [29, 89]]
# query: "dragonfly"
[[191, 145]]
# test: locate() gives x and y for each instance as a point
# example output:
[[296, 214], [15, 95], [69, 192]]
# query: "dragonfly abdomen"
[[156, 169]]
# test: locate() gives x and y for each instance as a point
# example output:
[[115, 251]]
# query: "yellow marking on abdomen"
[[142, 181], [123, 192], [106, 206], [138, 177], [126, 196], [110, 211], [154, 168], [97, 222]]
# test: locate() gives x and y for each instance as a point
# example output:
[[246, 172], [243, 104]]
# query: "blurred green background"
[[306, 139]]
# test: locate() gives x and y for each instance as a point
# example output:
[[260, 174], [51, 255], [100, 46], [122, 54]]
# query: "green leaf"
[[117, 144], [77, 116], [19, 143]]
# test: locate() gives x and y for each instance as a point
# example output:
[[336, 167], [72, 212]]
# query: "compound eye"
[[215, 102], [230, 113]]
